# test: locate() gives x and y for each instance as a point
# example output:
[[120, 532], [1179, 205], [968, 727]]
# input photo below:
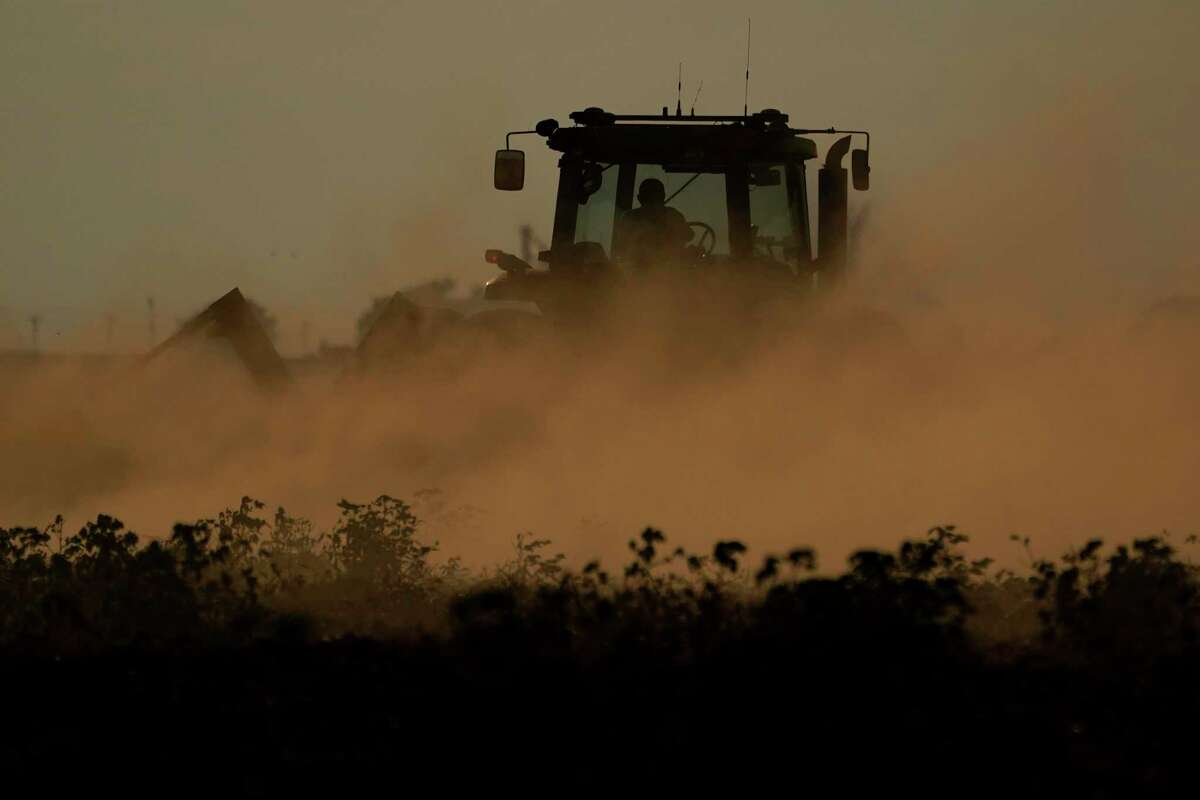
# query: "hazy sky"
[[318, 153]]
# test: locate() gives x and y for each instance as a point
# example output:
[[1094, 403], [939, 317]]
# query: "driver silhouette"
[[654, 232]]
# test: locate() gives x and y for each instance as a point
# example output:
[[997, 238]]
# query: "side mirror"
[[860, 170], [510, 170]]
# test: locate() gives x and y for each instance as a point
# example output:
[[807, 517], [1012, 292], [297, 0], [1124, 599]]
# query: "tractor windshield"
[[699, 197], [770, 197]]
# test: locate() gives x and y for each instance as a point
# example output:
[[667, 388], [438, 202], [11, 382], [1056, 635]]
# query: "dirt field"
[[817, 439]]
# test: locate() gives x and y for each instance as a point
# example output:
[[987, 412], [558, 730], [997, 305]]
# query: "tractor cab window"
[[607, 193], [776, 211], [699, 197], [597, 205]]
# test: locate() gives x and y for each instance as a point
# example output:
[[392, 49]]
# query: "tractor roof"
[[687, 142]]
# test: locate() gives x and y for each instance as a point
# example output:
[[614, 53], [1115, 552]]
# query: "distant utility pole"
[[35, 322], [153, 325]]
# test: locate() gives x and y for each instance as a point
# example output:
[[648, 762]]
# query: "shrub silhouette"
[[99, 589], [917, 667], [1140, 603]]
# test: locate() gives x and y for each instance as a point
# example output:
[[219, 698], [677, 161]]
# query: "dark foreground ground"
[[247, 655]]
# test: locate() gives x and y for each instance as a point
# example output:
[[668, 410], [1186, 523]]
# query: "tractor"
[[735, 189], [738, 182]]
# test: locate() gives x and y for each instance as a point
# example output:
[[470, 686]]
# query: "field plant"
[[290, 645]]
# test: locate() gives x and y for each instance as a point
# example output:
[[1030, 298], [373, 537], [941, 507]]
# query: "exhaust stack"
[[832, 215]]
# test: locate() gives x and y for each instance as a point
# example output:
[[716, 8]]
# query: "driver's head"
[[652, 192]]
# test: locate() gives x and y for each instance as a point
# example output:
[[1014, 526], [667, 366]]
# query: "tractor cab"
[[694, 195]]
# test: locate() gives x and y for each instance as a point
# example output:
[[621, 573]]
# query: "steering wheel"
[[708, 235]]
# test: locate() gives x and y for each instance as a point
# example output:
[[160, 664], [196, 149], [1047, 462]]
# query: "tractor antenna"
[[679, 93], [697, 97], [746, 98]]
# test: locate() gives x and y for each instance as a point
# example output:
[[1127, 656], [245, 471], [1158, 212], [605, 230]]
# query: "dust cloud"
[[990, 363]]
